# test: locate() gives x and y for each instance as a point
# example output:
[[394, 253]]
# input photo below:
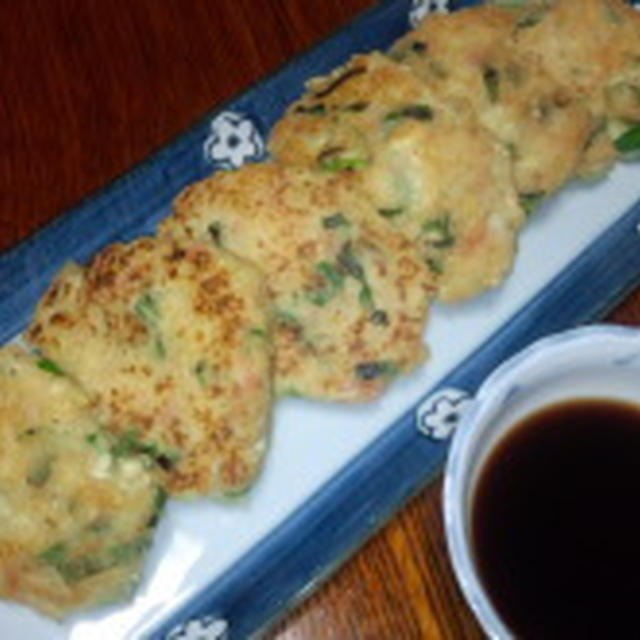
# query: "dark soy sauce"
[[556, 522]]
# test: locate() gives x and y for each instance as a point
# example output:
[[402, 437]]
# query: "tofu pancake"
[[350, 295], [592, 47], [469, 55], [448, 189], [172, 342], [431, 172], [77, 509], [342, 117]]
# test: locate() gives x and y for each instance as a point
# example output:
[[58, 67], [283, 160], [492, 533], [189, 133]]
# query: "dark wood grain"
[[90, 87]]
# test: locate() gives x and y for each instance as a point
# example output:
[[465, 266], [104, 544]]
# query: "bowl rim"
[[455, 489]]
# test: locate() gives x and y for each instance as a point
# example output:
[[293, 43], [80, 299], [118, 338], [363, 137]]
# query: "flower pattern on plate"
[[234, 140], [440, 413], [207, 628], [421, 8]]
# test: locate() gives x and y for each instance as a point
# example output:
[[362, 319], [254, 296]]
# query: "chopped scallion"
[[391, 212], [531, 201], [438, 232], [420, 112], [49, 366], [491, 77], [629, 141], [343, 164], [334, 221]]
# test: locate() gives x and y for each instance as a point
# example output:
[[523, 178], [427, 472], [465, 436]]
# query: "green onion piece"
[[371, 370], [92, 439], [215, 231], [528, 20], [327, 270], [334, 221], [54, 555], [340, 80], [317, 109], [491, 77], [439, 233], [343, 164], [287, 319], [292, 392], [97, 442], [348, 261], [203, 373], [159, 349], [259, 332], [147, 310], [82, 567], [379, 317], [366, 297], [49, 366], [435, 266], [235, 494], [129, 444], [320, 297], [420, 112], [391, 213], [332, 286], [127, 552], [159, 500], [629, 141], [531, 201], [512, 150], [356, 107]]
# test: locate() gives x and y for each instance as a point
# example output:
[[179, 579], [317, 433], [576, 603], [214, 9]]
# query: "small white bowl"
[[598, 361]]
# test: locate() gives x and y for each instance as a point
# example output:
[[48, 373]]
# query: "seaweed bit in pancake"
[[432, 173], [469, 55], [592, 47], [350, 295], [173, 343], [76, 512], [343, 116]]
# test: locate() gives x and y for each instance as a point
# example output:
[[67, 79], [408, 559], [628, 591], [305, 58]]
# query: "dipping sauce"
[[556, 522]]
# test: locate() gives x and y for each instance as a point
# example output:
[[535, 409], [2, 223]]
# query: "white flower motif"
[[233, 140], [421, 8], [440, 413], [207, 628]]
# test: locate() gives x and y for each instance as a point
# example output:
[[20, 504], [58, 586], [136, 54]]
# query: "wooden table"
[[87, 89]]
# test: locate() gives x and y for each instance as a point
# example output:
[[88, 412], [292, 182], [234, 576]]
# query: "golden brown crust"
[[592, 48], [172, 342], [350, 295], [470, 55], [437, 177], [75, 518]]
